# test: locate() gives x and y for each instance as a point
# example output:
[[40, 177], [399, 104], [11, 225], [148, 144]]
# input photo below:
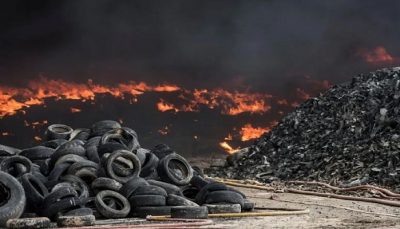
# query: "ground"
[[324, 213]]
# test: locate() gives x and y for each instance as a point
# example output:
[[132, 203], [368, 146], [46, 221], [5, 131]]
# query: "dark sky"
[[268, 46]]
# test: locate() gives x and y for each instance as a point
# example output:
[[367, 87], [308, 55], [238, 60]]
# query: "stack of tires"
[[103, 172]]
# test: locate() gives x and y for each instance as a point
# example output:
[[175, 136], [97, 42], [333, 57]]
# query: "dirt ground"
[[324, 213]]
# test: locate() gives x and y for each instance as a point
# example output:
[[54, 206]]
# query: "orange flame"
[[376, 56], [75, 110], [249, 132], [228, 148]]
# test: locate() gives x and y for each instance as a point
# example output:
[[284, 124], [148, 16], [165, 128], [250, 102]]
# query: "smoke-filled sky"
[[272, 47]]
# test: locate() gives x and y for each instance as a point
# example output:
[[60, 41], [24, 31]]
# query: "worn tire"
[[150, 190], [210, 187], [169, 188], [76, 221], [58, 131], [189, 212], [226, 196], [130, 187], [223, 208], [142, 212], [109, 212], [37, 153], [7, 165], [15, 204], [28, 223], [149, 165], [79, 212], [101, 127], [35, 190], [180, 174], [105, 183], [147, 200], [126, 154], [175, 200]]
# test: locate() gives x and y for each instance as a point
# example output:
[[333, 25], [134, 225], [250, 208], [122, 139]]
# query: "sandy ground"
[[324, 213]]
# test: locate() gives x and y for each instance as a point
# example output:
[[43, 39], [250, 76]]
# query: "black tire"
[[58, 171], [61, 207], [76, 221], [128, 155], [92, 154], [95, 141], [248, 206], [174, 200], [109, 147], [150, 190], [190, 192], [162, 150], [198, 182], [104, 183], [150, 165], [174, 169], [147, 200], [141, 154], [8, 150], [169, 188], [130, 187], [37, 222], [223, 208], [211, 187], [79, 212], [9, 165], [142, 212], [108, 212], [101, 127], [37, 153], [121, 136], [82, 164], [80, 134], [69, 158], [80, 186], [13, 206], [74, 147], [197, 171], [59, 194], [189, 212], [224, 197], [58, 131], [54, 144], [35, 190]]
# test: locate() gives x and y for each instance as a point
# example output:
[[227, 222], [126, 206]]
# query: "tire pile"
[[103, 172], [349, 135]]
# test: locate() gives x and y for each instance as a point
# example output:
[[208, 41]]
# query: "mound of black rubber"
[[348, 135]]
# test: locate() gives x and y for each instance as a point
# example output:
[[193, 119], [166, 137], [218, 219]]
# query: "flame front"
[[228, 148], [378, 55], [249, 132]]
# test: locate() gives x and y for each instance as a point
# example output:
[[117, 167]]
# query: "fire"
[[249, 132], [163, 106], [75, 110], [376, 56], [228, 148]]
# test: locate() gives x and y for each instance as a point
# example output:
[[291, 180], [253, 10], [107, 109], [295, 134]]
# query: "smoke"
[[263, 46]]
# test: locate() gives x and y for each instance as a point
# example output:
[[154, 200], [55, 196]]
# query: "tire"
[[223, 208], [59, 194], [76, 221], [8, 150], [174, 200], [58, 131], [14, 206], [37, 153], [54, 144], [61, 207], [150, 190], [121, 136], [95, 141], [108, 212], [142, 212], [198, 182], [162, 150], [169, 188], [147, 200], [101, 127], [82, 164], [8, 164], [69, 158], [150, 165], [109, 147], [58, 171], [224, 197], [80, 186], [75, 148], [248, 206], [92, 154], [211, 187], [141, 154], [180, 174], [80, 134], [37, 222], [130, 187], [190, 192], [197, 171], [189, 212], [128, 155], [104, 183], [35, 190]]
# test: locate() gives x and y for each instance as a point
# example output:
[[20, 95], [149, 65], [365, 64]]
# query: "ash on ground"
[[347, 136]]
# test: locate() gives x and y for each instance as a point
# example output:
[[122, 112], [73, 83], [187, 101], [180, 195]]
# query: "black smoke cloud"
[[268, 46]]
